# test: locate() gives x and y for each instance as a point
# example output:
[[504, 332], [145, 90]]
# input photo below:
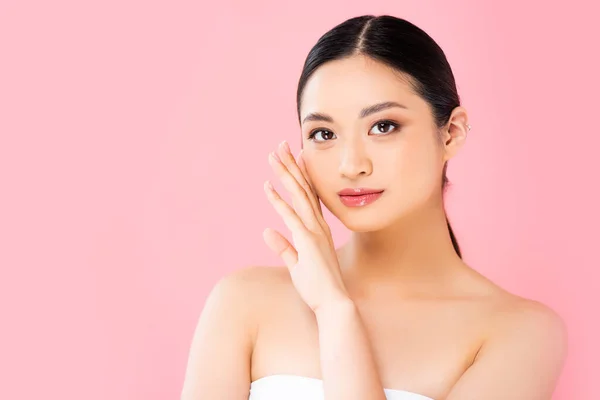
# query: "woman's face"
[[394, 148]]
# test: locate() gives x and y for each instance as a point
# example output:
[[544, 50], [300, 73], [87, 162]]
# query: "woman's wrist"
[[335, 308]]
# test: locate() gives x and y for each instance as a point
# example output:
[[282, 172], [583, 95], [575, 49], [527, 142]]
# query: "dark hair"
[[402, 46]]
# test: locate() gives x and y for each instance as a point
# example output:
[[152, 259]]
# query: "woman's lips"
[[359, 197]]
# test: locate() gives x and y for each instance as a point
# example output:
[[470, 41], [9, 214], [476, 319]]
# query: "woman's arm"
[[347, 364], [522, 359], [219, 359]]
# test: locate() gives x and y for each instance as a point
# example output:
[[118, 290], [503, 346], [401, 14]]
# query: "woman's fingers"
[[290, 217], [281, 246], [302, 204], [302, 167], [324, 225], [293, 167], [277, 242]]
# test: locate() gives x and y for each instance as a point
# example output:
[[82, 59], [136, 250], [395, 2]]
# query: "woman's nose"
[[354, 162]]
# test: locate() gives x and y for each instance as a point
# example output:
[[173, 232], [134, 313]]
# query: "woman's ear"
[[455, 133]]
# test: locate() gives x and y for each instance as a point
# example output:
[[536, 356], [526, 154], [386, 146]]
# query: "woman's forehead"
[[349, 85]]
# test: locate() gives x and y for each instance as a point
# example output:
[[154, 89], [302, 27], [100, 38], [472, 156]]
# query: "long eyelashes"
[[385, 122], [394, 125]]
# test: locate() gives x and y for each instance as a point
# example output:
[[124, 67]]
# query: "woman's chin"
[[363, 224], [371, 218]]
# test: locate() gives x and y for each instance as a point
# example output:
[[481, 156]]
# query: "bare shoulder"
[[253, 288], [509, 310], [259, 273], [221, 349], [524, 343], [254, 280], [531, 317], [530, 323], [513, 321], [239, 295]]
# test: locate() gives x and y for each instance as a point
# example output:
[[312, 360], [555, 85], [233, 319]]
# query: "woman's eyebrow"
[[365, 112]]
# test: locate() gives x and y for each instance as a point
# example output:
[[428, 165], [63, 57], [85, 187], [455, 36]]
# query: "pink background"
[[134, 148]]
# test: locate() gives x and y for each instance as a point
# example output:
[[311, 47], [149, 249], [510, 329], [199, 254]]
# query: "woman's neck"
[[415, 254]]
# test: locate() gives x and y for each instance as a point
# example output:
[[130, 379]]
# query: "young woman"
[[395, 312]]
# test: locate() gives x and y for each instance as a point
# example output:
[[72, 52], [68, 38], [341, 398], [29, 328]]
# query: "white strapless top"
[[294, 387]]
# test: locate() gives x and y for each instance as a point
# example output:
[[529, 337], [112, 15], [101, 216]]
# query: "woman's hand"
[[311, 260]]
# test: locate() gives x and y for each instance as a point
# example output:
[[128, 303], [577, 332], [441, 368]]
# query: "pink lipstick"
[[359, 197]]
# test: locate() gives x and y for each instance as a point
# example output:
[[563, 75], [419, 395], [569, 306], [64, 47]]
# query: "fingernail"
[[286, 146], [275, 156]]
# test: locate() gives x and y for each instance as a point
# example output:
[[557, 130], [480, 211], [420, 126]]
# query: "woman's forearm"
[[347, 363]]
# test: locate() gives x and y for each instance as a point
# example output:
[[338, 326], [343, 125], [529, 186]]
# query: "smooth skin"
[[394, 307]]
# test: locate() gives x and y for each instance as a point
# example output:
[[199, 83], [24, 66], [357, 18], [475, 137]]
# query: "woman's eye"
[[324, 135], [383, 127]]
